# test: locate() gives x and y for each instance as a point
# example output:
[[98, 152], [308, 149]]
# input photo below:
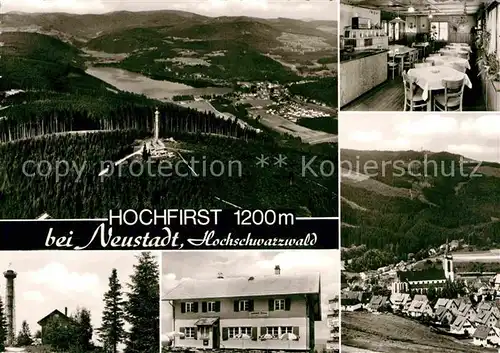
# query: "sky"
[[300, 9], [472, 135], [49, 280], [177, 266]]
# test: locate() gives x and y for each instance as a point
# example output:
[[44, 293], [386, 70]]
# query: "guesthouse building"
[[274, 312]]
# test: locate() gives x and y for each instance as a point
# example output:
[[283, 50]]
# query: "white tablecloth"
[[448, 61], [455, 50], [460, 45], [431, 78]]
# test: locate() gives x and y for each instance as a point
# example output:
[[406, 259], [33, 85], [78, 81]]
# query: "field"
[[393, 334]]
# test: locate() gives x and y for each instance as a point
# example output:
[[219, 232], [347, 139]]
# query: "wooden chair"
[[413, 94], [452, 97], [409, 60], [393, 66], [421, 65]]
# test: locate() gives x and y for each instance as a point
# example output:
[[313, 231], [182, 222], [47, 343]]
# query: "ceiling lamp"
[[430, 14], [397, 20], [411, 9]]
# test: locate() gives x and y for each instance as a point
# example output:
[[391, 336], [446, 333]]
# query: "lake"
[[136, 83]]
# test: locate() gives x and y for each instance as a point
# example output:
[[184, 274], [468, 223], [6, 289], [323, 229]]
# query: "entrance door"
[[216, 336]]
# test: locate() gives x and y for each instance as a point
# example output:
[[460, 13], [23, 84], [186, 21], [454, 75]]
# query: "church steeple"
[[449, 271]]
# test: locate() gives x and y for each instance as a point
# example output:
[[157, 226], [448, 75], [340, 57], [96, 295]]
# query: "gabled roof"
[[441, 302], [245, 287], [399, 298], [55, 313], [481, 332], [378, 301], [420, 298], [459, 322]]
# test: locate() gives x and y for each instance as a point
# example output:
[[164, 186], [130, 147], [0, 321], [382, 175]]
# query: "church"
[[419, 281]]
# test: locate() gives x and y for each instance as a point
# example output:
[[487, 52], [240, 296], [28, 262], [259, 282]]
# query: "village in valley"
[[429, 296]]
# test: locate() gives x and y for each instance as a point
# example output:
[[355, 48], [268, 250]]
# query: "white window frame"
[[189, 332], [279, 304], [244, 305], [438, 30], [189, 306], [273, 331], [286, 329], [247, 330], [232, 332], [211, 307]]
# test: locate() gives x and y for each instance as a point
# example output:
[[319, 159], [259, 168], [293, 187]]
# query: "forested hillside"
[[437, 206]]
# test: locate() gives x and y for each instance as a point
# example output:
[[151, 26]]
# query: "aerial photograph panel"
[[198, 105]]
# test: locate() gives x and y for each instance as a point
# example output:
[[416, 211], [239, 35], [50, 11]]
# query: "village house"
[[399, 301], [420, 307], [485, 336], [54, 316], [377, 303], [467, 310], [247, 312], [441, 303], [444, 316], [351, 301], [487, 318], [462, 326], [495, 282]]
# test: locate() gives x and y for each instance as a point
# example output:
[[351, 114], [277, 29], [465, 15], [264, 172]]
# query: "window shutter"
[[183, 308], [182, 330], [295, 331], [254, 333], [236, 306], [196, 333], [288, 304], [225, 333], [271, 304], [195, 307], [250, 305], [263, 331], [204, 306], [217, 306]]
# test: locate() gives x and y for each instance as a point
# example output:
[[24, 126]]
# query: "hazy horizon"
[[323, 10], [472, 135]]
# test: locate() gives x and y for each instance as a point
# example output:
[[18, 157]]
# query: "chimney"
[[66, 310], [220, 275], [277, 270]]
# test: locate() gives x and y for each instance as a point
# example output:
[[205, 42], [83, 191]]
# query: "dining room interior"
[[419, 55]]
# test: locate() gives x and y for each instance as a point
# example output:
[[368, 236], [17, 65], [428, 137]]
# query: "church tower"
[[449, 271]]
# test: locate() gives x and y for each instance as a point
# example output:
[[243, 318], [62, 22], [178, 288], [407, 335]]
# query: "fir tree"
[[3, 327], [142, 307], [24, 336], [111, 332], [82, 330]]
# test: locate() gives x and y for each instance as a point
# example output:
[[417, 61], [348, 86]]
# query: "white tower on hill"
[[157, 125]]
